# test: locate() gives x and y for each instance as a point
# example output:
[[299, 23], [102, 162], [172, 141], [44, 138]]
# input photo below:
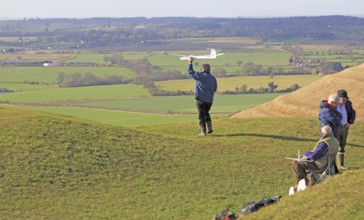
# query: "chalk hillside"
[[305, 101]]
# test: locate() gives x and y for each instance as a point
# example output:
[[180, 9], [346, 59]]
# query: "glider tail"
[[213, 53]]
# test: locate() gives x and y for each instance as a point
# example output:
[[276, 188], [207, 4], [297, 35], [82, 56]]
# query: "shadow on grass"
[[356, 145], [279, 137]]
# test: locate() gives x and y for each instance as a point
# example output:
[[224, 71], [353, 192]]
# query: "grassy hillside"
[[120, 118], [223, 104], [55, 167], [295, 103], [340, 197]]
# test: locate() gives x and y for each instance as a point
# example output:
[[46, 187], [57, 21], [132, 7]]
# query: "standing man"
[[329, 115], [206, 86], [345, 107]]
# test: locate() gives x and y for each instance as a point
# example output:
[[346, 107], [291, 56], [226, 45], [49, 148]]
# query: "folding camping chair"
[[320, 175]]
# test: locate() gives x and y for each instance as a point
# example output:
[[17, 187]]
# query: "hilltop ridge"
[[305, 101]]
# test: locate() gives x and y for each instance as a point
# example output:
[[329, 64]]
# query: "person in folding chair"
[[317, 159]]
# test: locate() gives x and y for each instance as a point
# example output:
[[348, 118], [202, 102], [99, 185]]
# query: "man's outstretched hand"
[[190, 60]]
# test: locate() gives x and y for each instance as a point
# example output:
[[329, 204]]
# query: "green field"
[[223, 104], [59, 95], [37, 56], [50, 74], [86, 57], [55, 167], [47, 96], [135, 55], [21, 87], [230, 83], [228, 61], [132, 112]]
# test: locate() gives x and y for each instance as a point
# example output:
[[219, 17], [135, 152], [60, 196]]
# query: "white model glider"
[[212, 55]]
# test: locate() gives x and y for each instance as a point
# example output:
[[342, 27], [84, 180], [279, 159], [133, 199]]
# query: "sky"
[[20, 9]]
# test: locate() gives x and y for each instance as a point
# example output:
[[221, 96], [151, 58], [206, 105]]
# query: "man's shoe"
[[342, 168], [292, 190], [301, 185], [202, 134]]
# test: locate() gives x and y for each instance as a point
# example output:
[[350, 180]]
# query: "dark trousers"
[[299, 170], [342, 136], [203, 112]]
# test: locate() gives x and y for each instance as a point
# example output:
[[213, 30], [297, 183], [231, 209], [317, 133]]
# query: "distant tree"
[[107, 59], [239, 62], [314, 72], [272, 87], [252, 69], [338, 67], [60, 78], [294, 87], [290, 60], [331, 67], [244, 89], [220, 72], [270, 72]]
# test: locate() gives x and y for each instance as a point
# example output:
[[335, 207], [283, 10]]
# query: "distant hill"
[[97, 32], [305, 101]]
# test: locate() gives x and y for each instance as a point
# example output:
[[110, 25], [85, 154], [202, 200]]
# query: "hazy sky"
[[176, 8]]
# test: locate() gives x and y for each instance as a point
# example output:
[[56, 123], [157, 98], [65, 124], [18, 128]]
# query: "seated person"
[[316, 159]]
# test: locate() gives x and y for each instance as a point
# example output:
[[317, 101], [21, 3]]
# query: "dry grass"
[[305, 101]]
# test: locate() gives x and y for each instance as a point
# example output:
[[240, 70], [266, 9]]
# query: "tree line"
[[88, 79], [146, 73], [272, 88], [94, 32]]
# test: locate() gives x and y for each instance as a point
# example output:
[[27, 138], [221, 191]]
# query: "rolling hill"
[[305, 101], [57, 167]]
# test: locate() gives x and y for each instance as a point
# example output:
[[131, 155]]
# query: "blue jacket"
[[321, 149], [329, 116], [206, 85]]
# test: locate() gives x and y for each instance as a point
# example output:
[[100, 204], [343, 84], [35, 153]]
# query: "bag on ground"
[[226, 214], [251, 207]]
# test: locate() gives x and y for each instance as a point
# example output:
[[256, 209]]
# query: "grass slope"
[[337, 198], [223, 104], [120, 118], [55, 167]]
